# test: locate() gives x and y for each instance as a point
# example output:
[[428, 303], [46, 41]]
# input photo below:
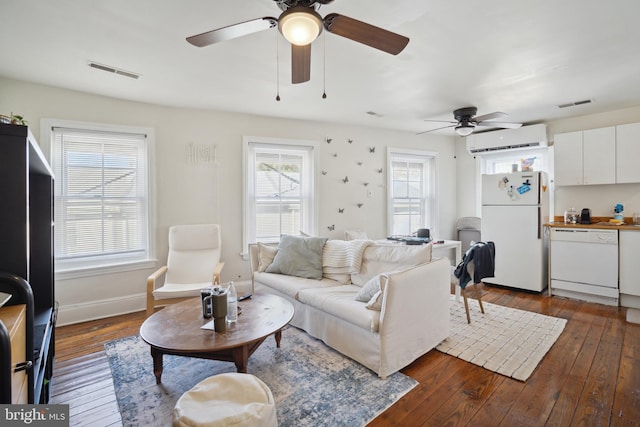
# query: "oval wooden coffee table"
[[176, 330]]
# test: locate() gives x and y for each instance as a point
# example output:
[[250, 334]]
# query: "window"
[[279, 189], [102, 199], [507, 161], [411, 191]]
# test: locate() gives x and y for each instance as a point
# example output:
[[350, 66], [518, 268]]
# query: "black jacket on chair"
[[483, 255]]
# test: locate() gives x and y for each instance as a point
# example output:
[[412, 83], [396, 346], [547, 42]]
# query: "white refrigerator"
[[514, 208]]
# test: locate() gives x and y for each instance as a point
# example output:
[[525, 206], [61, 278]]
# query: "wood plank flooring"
[[590, 377]]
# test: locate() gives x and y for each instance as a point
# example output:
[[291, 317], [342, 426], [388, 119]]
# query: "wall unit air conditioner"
[[508, 139]]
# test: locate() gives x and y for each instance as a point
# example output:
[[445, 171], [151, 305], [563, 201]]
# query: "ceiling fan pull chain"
[[277, 68], [324, 66]]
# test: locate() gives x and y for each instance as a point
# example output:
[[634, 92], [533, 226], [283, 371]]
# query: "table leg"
[[241, 358], [157, 363], [278, 337]]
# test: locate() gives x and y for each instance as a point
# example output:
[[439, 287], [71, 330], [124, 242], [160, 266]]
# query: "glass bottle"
[[232, 304]]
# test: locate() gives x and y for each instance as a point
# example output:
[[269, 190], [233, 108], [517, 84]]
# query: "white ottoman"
[[229, 399]]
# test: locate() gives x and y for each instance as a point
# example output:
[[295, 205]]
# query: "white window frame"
[[310, 191], [430, 186], [107, 264]]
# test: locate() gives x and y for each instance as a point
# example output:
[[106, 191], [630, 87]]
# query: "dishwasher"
[[584, 264]]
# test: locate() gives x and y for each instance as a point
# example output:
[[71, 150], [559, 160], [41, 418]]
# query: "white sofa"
[[408, 316]]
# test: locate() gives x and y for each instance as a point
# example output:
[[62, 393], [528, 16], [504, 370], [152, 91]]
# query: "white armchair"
[[193, 263]]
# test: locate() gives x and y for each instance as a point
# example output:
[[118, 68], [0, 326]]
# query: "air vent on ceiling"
[[114, 70], [575, 104]]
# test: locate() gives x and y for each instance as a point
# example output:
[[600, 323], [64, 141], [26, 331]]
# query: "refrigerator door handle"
[[539, 222]]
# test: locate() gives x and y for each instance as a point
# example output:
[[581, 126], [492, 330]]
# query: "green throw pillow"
[[299, 256]]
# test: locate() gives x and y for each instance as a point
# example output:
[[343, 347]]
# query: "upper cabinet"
[[597, 156], [568, 158], [627, 153]]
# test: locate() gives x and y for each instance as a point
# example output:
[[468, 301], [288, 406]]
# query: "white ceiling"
[[522, 58]]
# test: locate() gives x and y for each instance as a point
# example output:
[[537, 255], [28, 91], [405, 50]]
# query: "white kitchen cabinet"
[[585, 157], [599, 156], [627, 153], [568, 158], [629, 245]]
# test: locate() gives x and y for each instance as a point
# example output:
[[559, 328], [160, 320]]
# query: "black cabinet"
[[26, 252]]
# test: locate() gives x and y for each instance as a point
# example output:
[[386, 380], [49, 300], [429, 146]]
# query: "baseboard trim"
[[93, 310]]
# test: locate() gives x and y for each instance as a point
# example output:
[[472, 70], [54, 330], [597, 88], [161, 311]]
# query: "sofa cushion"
[[339, 301], [299, 256], [291, 285], [380, 258], [266, 253], [345, 279]]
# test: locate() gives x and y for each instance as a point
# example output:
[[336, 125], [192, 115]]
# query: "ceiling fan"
[[466, 121], [301, 24]]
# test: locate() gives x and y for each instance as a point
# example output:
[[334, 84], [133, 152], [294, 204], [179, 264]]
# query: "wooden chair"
[[193, 263], [470, 269], [480, 255]]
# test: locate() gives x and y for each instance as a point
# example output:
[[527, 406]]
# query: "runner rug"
[[312, 384], [505, 340]]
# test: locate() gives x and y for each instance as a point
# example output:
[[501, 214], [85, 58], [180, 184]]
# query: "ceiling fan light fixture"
[[300, 25], [464, 129]]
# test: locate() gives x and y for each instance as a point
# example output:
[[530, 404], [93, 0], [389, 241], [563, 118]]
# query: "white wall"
[[188, 193], [600, 198]]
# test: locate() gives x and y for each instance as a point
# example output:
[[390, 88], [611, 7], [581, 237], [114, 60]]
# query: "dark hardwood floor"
[[590, 377]]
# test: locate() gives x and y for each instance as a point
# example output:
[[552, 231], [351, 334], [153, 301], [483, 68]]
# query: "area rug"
[[312, 384], [505, 340]]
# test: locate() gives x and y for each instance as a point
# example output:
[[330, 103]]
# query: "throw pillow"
[[266, 253], [375, 303], [299, 256], [369, 289], [378, 284]]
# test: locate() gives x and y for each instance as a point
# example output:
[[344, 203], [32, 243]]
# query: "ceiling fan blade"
[[433, 130], [490, 116], [233, 31], [300, 63], [440, 121], [364, 33], [500, 125]]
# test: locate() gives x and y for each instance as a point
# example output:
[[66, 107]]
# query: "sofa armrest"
[[253, 258], [415, 314]]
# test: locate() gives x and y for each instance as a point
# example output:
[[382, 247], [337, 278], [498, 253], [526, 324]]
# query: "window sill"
[[73, 273]]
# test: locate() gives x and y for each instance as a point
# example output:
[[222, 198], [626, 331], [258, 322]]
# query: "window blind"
[[101, 193]]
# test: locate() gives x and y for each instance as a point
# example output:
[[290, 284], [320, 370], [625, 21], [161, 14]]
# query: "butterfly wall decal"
[[345, 179], [332, 227]]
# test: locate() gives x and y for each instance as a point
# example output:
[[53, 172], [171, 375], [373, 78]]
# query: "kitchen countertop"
[[601, 223]]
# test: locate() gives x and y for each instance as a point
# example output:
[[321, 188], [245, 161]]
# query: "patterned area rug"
[[505, 340], [312, 384]]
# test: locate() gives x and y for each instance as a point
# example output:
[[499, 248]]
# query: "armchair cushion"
[[299, 256]]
